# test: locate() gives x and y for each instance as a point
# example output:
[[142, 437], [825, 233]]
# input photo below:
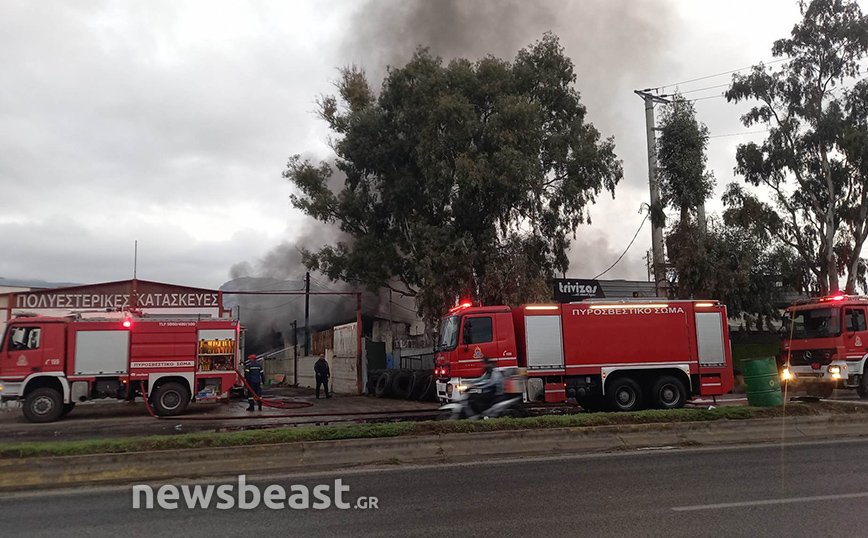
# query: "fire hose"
[[277, 403]]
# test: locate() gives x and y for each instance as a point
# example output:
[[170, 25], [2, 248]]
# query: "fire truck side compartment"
[[101, 352], [544, 343]]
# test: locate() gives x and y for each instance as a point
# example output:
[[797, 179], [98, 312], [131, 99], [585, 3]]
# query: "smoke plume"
[[615, 45]]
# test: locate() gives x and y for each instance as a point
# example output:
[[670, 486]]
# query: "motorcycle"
[[508, 405]]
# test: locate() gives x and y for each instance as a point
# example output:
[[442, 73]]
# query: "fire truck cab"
[[826, 345]]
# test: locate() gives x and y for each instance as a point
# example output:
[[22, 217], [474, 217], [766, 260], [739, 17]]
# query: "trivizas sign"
[[568, 290], [119, 296]]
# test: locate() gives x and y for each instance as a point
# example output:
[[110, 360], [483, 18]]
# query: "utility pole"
[[658, 262], [391, 325], [307, 314], [294, 353]]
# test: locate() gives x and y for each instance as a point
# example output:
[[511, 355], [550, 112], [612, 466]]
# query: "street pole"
[[294, 353], [658, 263], [307, 314], [391, 326], [359, 373]]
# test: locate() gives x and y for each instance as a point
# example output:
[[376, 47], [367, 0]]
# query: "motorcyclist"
[[490, 385]]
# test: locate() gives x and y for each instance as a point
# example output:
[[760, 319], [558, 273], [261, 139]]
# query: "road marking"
[[768, 502]]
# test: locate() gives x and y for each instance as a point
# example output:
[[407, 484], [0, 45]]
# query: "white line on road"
[[770, 502]]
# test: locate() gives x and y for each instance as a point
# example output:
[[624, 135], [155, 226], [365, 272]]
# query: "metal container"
[[762, 382]]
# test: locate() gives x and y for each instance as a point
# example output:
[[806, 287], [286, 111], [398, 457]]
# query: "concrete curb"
[[139, 467]]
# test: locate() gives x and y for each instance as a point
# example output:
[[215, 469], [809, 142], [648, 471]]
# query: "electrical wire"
[[628, 246], [739, 134], [703, 89], [270, 307], [321, 285], [717, 74], [706, 97]]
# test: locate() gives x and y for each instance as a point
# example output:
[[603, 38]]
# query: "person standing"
[[321, 369], [255, 376]]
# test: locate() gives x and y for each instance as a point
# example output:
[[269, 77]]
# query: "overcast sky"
[[170, 122]]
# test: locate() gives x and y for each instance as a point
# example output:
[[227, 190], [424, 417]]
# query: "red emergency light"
[[838, 297], [127, 324], [462, 306]]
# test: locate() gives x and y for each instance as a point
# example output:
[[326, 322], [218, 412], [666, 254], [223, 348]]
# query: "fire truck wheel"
[[624, 394], [668, 393], [170, 399], [67, 409], [43, 405]]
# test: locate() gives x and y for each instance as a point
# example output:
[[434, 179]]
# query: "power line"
[[717, 74], [739, 134], [628, 246], [270, 307], [320, 284], [705, 88], [706, 97]]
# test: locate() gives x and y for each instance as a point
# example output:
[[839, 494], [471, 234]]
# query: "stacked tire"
[[403, 384]]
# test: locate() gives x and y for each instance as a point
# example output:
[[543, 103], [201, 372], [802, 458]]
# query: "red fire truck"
[[53, 363], [826, 345], [623, 355]]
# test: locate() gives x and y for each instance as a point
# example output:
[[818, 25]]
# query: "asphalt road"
[[795, 491]]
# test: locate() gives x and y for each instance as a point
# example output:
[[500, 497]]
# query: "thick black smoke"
[[616, 47]]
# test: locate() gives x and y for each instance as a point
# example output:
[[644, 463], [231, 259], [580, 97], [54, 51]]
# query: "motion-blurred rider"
[[491, 386], [255, 375]]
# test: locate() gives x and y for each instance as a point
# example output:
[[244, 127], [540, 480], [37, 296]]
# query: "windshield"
[[448, 334], [815, 323]]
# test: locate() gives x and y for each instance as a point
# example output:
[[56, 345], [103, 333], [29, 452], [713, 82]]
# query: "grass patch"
[[363, 431]]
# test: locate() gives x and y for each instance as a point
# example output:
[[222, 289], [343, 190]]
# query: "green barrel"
[[762, 382]]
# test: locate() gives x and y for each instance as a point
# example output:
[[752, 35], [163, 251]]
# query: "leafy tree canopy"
[[812, 162], [684, 182], [464, 179]]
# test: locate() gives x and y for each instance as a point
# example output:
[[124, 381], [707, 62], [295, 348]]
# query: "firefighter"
[[254, 374], [321, 369]]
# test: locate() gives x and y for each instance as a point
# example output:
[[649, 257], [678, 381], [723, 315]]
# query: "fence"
[[341, 356]]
